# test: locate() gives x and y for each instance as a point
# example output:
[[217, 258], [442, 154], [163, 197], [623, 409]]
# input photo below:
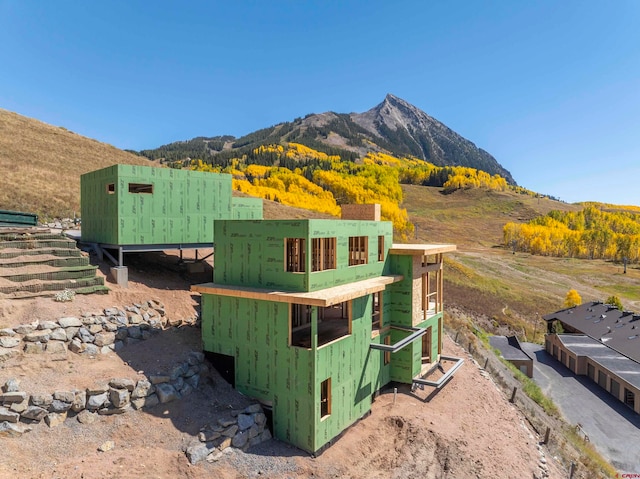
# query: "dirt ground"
[[466, 429]]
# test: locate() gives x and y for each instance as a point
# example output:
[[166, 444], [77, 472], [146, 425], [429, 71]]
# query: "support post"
[[546, 435], [513, 395]]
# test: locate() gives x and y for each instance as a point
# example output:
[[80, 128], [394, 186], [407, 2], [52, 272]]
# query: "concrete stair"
[[34, 262]]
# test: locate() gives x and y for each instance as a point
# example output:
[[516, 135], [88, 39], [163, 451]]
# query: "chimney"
[[361, 212]]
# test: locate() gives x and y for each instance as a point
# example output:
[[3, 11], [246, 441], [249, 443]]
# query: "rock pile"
[[91, 334], [242, 430]]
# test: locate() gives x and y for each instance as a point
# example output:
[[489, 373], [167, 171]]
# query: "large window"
[[334, 322], [300, 316], [323, 251], [358, 253], [325, 398], [140, 188], [295, 255]]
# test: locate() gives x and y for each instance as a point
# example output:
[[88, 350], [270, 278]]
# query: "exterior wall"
[[246, 208], [528, 366], [256, 334], [402, 292], [252, 253], [584, 364], [181, 208]]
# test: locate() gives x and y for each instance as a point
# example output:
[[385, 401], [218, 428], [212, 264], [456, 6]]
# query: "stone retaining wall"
[[101, 333], [91, 334]]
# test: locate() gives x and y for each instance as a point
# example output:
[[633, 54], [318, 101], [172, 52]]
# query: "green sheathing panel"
[[246, 208], [256, 334], [98, 208], [402, 292], [356, 372], [180, 209], [252, 253], [342, 230], [406, 363]]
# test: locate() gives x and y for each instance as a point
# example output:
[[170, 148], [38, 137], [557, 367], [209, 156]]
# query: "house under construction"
[[313, 317]]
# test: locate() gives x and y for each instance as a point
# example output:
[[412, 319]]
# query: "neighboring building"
[[601, 342], [511, 351], [128, 208], [137, 206], [313, 317]]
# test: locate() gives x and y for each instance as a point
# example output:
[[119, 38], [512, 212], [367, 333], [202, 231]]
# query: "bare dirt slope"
[[467, 429]]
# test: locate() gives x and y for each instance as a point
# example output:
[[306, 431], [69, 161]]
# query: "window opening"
[[358, 253], [376, 315], [300, 325], [323, 251], [426, 346], [295, 255], [380, 248], [140, 188], [334, 322], [387, 354], [325, 398], [111, 188]]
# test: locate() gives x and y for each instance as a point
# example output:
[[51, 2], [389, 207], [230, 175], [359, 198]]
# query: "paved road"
[[612, 427]]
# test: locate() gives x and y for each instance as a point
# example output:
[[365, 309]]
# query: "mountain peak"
[[409, 130]]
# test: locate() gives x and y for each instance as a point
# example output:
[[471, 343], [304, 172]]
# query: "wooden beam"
[[323, 298]]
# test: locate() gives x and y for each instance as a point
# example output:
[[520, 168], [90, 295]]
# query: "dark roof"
[[618, 330], [615, 362], [509, 347]]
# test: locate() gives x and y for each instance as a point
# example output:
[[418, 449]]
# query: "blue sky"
[[550, 88]]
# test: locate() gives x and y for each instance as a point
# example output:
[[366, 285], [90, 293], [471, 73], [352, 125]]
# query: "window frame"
[[323, 254], [380, 248], [325, 399], [295, 255], [358, 250], [141, 188]]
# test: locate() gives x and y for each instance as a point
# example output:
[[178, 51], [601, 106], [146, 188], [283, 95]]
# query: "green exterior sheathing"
[[252, 253], [246, 208], [356, 373], [180, 209], [402, 292], [256, 334]]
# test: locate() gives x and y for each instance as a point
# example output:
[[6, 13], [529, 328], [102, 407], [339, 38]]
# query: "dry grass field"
[[41, 165]]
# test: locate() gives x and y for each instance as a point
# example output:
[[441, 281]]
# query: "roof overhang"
[[323, 298], [421, 249]]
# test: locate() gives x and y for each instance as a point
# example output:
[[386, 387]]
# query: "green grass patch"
[[590, 459]]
